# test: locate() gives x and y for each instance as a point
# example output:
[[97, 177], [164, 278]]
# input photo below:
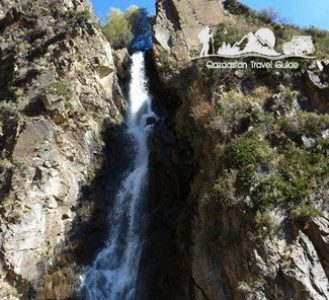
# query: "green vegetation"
[[305, 210], [303, 123], [262, 160], [77, 17], [288, 174], [299, 173], [61, 89], [123, 27], [250, 20], [118, 29], [320, 39], [252, 154], [246, 151], [250, 290], [8, 115], [225, 189]]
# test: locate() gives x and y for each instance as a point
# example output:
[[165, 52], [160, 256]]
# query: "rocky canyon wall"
[[254, 220], [58, 91]]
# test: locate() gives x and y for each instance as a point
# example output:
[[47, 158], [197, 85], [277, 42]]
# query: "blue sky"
[[300, 12], [102, 7]]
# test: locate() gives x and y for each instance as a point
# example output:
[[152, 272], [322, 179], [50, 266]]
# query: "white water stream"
[[113, 274]]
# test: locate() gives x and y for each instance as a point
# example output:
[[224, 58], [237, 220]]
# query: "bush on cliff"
[[257, 153], [269, 15], [118, 29], [131, 28], [249, 20]]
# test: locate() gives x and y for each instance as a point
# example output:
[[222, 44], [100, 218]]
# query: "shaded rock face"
[[58, 89], [317, 78], [162, 274], [224, 251]]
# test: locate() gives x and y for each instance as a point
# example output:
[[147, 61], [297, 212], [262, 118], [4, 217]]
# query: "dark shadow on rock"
[[7, 67], [91, 225], [35, 107], [162, 273], [11, 17], [26, 78], [41, 50], [165, 261]]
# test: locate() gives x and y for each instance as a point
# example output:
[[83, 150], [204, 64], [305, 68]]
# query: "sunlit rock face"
[[178, 24], [58, 87]]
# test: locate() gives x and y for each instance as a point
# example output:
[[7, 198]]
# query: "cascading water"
[[113, 274]]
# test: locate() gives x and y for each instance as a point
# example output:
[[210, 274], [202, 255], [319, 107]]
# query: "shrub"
[[268, 15], [283, 102], [123, 27], [251, 291], [235, 7], [298, 174], [6, 290], [224, 189], [118, 29], [246, 151], [235, 112], [321, 41], [305, 123], [61, 89], [305, 210], [232, 34], [77, 17]]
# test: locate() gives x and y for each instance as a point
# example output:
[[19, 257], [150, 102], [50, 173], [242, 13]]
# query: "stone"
[[299, 45], [178, 23], [318, 90], [222, 250], [55, 79]]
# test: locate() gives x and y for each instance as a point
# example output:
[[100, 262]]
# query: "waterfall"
[[113, 274]]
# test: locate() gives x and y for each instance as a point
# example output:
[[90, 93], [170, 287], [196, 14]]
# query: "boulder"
[[318, 91]]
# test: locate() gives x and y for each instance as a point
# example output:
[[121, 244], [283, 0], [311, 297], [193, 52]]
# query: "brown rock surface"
[[58, 88], [226, 255], [317, 81]]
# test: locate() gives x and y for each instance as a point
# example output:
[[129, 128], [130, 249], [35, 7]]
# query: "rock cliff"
[[58, 91], [253, 223], [238, 168]]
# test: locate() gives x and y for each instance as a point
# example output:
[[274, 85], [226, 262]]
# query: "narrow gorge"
[[138, 173], [114, 273]]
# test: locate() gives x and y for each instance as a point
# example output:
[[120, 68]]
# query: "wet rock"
[[151, 121]]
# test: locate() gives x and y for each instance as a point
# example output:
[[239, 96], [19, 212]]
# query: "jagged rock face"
[[58, 87], [317, 84], [178, 24], [229, 253], [176, 29]]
